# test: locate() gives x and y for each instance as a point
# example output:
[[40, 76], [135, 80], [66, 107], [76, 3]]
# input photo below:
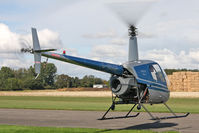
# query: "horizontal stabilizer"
[[44, 50]]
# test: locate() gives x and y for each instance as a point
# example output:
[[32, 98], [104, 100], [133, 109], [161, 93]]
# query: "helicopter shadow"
[[149, 126], [145, 126]]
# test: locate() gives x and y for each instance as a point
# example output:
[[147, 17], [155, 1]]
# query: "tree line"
[[24, 79], [170, 71]]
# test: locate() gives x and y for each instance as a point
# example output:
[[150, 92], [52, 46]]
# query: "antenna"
[[133, 48]]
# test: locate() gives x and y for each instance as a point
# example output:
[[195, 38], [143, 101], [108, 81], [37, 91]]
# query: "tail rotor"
[[36, 50]]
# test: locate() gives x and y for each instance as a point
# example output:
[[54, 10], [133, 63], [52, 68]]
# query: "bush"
[[13, 84], [33, 84]]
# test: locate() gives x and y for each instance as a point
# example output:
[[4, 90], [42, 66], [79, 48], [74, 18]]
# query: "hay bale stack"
[[184, 81]]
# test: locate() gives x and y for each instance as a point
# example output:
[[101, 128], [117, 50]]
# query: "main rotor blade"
[[130, 11]]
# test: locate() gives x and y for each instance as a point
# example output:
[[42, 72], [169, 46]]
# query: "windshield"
[[156, 73], [167, 79]]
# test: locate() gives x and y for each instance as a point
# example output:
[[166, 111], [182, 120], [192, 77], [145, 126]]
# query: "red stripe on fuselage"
[[55, 55]]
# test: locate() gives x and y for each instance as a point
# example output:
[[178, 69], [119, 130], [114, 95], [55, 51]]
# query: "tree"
[[98, 81], [5, 73], [84, 81], [89, 81], [62, 81], [13, 84], [33, 84], [48, 73], [25, 79], [76, 82]]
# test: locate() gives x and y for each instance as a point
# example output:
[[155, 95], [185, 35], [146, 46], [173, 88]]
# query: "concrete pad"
[[89, 119]]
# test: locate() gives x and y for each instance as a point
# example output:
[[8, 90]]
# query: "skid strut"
[[112, 107], [174, 115]]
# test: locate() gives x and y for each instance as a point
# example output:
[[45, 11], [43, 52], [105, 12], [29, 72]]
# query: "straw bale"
[[184, 81]]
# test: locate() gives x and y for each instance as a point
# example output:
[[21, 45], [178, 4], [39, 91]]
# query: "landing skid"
[[140, 104], [112, 107], [119, 117], [169, 117]]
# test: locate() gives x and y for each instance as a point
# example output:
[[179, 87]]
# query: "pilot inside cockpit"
[[153, 72]]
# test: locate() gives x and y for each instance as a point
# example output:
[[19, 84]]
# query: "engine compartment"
[[127, 89], [121, 86]]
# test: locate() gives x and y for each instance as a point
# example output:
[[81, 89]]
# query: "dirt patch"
[[57, 93], [84, 93], [84, 89], [185, 94]]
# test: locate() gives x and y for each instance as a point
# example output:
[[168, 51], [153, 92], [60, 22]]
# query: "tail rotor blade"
[[25, 46]]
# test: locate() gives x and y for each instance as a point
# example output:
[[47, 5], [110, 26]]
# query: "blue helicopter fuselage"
[[145, 72], [150, 73]]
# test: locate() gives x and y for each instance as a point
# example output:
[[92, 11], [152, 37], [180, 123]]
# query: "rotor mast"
[[133, 48]]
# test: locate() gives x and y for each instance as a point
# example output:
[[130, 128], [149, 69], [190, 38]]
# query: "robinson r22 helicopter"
[[135, 82]]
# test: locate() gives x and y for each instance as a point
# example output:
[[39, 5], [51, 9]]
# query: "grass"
[[28, 129], [180, 105]]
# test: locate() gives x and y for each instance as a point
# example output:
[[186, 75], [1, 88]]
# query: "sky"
[[168, 32]]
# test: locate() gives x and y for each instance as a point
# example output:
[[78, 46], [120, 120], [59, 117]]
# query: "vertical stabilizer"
[[37, 55], [36, 45]]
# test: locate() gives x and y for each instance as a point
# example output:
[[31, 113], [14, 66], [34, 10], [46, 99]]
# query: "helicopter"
[[135, 82]]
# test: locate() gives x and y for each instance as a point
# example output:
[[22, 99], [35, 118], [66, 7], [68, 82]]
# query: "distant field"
[[180, 105], [84, 93], [57, 93], [27, 129]]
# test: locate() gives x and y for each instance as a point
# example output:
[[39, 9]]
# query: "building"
[[99, 86]]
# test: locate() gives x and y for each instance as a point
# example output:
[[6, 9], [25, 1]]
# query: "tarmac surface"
[[89, 119]]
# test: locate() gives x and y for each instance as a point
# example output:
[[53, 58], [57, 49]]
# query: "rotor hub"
[[132, 31], [27, 50]]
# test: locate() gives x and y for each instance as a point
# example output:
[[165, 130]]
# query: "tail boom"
[[97, 65]]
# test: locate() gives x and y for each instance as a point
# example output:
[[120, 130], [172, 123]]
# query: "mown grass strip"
[[29, 129], [180, 105]]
